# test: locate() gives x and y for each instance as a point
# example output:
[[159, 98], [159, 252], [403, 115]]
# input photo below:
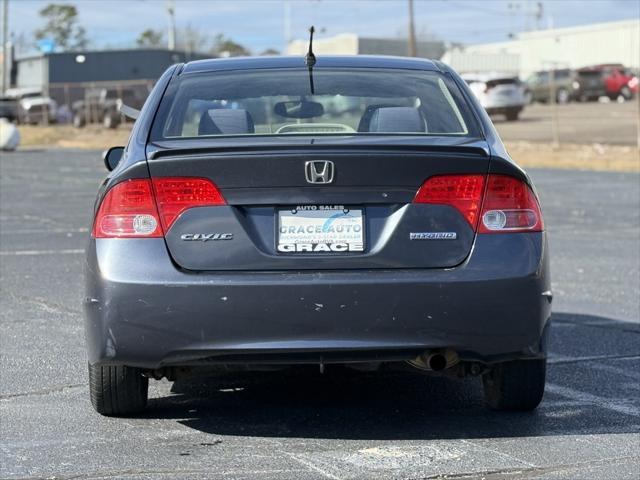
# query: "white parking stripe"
[[312, 466], [584, 397], [44, 230], [75, 251], [598, 363]]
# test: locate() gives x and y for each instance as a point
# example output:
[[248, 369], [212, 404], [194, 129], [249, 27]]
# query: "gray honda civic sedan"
[[359, 211]]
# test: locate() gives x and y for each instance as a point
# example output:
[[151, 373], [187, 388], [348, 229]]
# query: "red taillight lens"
[[509, 206], [174, 195], [463, 192], [128, 210]]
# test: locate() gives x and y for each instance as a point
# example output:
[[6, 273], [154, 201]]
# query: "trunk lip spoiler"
[[480, 148]]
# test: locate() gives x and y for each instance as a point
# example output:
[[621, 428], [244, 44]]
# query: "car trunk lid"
[[268, 193]]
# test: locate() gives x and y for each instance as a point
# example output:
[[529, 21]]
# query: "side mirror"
[[112, 157]]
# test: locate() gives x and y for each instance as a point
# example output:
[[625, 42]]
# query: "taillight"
[[130, 209], [509, 206], [464, 192], [174, 195]]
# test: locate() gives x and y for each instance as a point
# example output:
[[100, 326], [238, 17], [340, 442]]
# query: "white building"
[[574, 47], [352, 44]]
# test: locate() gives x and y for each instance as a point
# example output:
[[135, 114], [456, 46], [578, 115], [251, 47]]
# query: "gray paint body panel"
[[141, 310]]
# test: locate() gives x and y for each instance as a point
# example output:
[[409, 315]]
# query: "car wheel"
[[78, 121], [626, 93], [516, 385], [110, 120], [563, 96], [117, 390], [512, 115]]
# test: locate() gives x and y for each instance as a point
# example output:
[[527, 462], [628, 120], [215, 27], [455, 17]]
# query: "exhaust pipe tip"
[[437, 362]]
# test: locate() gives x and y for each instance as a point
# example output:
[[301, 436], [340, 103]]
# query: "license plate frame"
[[340, 243]]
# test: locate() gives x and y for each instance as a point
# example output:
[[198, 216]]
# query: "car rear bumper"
[[142, 311]]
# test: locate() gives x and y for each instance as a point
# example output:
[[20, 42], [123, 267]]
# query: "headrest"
[[397, 120], [225, 121]]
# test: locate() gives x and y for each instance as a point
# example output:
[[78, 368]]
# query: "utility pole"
[[413, 51], [287, 26], [171, 37], [6, 65], [555, 121]]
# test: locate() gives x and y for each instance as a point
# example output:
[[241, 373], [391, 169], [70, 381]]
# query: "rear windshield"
[[331, 102]]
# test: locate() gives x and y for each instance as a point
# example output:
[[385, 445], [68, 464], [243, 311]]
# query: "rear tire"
[[110, 120], [512, 115], [626, 93], [117, 390], [78, 121], [517, 385]]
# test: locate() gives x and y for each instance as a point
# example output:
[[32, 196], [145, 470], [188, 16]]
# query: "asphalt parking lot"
[[593, 122], [307, 426]]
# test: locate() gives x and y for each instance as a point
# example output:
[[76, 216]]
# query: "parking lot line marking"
[[557, 359], [616, 370], [596, 363], [589, 398], [498, 452], [45, 230], [313, 467], [73, 251]]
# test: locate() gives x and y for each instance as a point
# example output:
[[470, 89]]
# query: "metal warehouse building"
[[65, 75], [99, 66], [575, 47]]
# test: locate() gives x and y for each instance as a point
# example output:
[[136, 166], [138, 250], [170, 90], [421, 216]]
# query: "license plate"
[[320, 229]]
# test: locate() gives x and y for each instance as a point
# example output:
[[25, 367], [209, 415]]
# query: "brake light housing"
[[489, 203], [174, 195], [147, 208], [509, 205], [463, 192]]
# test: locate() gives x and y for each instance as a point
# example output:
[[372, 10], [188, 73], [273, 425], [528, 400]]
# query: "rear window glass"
[[342, 102]]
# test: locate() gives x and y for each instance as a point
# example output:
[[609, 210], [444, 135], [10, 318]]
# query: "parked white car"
[[33, 106], [498, 93]]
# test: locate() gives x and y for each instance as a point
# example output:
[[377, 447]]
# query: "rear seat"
[[220, 121]]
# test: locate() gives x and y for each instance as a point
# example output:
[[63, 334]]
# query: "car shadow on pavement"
[[342, 404]]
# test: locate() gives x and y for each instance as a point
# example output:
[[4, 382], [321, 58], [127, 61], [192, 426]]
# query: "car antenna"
[[310, 59]]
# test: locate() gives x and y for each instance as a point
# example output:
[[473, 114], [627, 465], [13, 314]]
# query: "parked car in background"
[[538, 86], [103, 106], [9, 109], [610, 80], [616, 81], [33, 106], [591, 84], [498, 94]]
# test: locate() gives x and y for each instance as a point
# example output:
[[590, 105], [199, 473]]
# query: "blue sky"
[[259, 24]]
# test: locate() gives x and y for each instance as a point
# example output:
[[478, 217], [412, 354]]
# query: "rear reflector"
[[463, 192], [130, 209], [509, 205]]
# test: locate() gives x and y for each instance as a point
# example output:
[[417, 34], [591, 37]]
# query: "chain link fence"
[[80, 103]]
